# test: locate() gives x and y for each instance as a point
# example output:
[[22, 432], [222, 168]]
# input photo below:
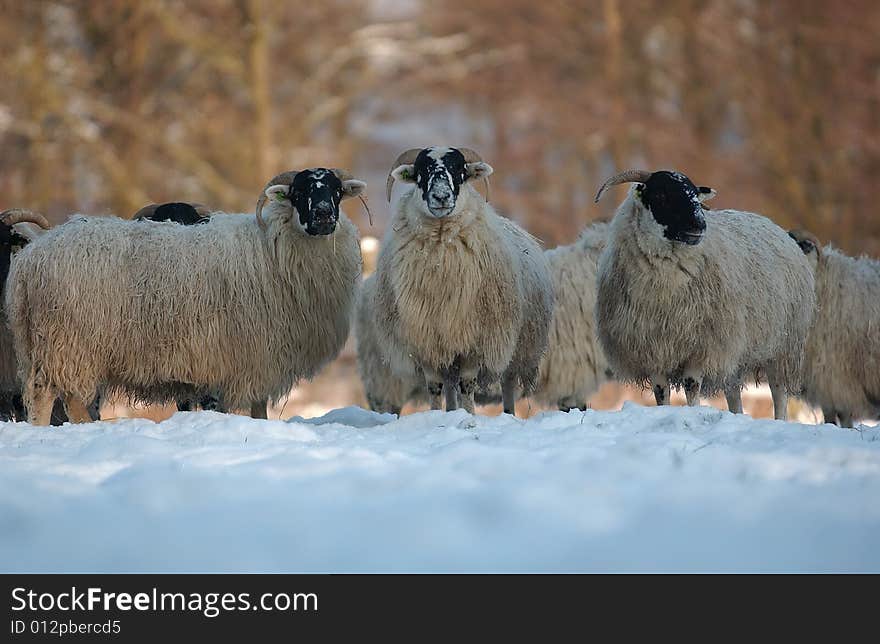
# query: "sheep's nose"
[[441, 196], [324, 210]]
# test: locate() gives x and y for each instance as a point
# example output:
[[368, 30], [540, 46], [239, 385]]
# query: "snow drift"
[[642, 489]]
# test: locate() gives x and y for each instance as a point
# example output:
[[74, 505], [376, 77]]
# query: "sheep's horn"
[[472, 157], [627, 176], [19, 215], [285, 178], [345, 175], [146, 212], [406, 157]]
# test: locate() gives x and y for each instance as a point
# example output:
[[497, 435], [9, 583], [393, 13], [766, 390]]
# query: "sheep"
[[12, 239], [187, 214], [842, 359], [387, 390], [467, 293], [572, 368], [700, 300], [267, 299], [574, 365]]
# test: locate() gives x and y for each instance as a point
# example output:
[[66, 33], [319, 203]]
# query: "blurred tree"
[[108, 105]]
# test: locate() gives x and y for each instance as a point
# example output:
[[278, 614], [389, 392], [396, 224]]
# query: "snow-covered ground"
[[639, 489]]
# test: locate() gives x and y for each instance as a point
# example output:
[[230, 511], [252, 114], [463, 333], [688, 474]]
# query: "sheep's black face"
[[674, 202], [316, 194], [806, 242], [182, 213], [8, 240], [439, 173]]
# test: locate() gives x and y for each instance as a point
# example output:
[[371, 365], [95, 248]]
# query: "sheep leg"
[[19, 408], [734, 399], [212, 403], [39, 398], [468, 386], [845, 419], [435, 394], [780, 397], [258, 409], [451, 383], [661, 390], [382, 407], [95, 408], [692, 383], [77, 412], [508, 394], [7, 409]]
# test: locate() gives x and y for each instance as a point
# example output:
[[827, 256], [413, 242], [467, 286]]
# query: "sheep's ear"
[[352, 188], [405, 173], [278, 193], [705, 193], [477, 170], [807, 246]]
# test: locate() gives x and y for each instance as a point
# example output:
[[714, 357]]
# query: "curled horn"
[[407, 157], [344, 175], [146, 212], [19, 215], [627, 176], [285, 178], [472, 157]]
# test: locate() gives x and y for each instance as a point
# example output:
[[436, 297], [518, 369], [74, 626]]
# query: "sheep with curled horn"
[[247, 307], [700, 299], [11, 240], [462, 290], [17, 228], [842, 358]]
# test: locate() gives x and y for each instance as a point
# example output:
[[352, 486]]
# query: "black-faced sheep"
[[693, 298], [12, 240], [461, 289], [259, 301]]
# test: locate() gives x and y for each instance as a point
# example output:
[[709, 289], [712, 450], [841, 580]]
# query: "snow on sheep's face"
[[439, 172], [316, 194], [676, 205]]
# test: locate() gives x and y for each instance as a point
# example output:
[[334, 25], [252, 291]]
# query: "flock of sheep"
[[229, 311]]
